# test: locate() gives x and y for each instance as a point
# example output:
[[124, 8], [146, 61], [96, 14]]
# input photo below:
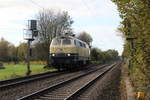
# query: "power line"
[[35, 3], [85, 4]]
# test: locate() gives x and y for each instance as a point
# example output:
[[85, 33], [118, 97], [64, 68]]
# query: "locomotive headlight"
[[68, 54], [53, 54]]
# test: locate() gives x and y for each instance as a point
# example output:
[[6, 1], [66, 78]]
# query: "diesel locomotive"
[[69, 52]]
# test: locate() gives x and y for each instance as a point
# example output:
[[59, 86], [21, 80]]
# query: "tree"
[[51, 25], [84, 36], [103, 56], [113, 54], [94, 54], [7, 51], [22, 51], [38, 52], [135, 24], [13, 54], [4, 50]]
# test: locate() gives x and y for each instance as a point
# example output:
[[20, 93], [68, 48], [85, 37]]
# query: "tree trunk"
[[48, 58]]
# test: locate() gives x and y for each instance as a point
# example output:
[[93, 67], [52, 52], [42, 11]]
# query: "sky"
[[99, 18]]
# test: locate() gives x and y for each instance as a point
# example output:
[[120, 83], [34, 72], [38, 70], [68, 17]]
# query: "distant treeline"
[[11, 53], [100, 56]]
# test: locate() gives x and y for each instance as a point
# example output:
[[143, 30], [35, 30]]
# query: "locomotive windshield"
[[56, 42], [66, 42]]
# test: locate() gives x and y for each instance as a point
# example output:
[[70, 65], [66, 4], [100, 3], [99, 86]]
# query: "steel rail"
[[8, 81], [55, 86], [27, 80], [14, 80], [87, 85]]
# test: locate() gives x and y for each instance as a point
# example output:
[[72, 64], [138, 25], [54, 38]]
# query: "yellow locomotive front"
[[66, 52]]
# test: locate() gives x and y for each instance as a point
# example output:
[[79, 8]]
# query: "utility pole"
[[31, 33]]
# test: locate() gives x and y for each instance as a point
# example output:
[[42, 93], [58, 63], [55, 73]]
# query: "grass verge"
[[19, 70]]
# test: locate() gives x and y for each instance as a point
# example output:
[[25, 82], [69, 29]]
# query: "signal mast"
[[30, 35]]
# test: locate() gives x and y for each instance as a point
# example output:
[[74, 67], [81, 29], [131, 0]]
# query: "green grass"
[[14, 71]]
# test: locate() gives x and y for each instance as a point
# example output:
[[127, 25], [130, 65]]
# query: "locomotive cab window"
[[81, 45], [77, 43], [66, 42], [84, 45], [56, 42]]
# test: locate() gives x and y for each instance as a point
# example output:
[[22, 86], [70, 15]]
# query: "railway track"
[[18, 89], [9, 82], [15, 80], [23, 80], [68, 89], [84, 93]]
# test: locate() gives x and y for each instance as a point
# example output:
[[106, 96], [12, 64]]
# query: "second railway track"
[[19, 81], [67, 89], [17, 89]]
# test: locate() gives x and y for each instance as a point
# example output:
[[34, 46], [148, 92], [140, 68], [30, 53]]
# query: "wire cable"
[[35, 3], [85, 4]]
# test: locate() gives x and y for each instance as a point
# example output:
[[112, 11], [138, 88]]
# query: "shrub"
[[1, 64]]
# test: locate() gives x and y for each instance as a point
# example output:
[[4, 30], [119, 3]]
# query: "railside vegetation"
[[19, 70], [135, 28]]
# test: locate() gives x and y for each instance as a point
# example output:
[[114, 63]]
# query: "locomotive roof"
[[70, 37]]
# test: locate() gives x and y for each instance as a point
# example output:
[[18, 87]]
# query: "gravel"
[[106, 88], [22, 90]]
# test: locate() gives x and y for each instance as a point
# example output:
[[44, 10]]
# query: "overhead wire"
[[35, 3], [85, 4]]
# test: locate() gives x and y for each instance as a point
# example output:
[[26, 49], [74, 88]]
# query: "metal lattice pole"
[[28, 59]]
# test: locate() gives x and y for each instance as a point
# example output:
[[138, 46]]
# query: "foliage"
[[22, 51], [4, 46], [1, 64], [135, 24], [7, 51], [38, 52], [84, 36], [103, 56]]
